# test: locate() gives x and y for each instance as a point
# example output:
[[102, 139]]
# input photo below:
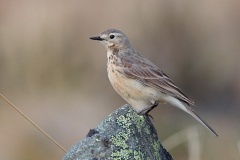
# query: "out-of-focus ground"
[[52, 71]]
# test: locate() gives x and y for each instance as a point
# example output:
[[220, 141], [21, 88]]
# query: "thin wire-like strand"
[[34, 124]]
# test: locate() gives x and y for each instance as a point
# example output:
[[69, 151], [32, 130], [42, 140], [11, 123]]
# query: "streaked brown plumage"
[[140, 82]]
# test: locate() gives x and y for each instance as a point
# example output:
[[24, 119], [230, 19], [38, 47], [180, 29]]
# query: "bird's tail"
[[189, 110], [194, 114]]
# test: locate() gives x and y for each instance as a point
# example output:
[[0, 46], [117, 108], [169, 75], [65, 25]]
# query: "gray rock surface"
[[123, 135]]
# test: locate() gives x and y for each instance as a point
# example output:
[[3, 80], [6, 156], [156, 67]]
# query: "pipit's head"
[[112, 38]]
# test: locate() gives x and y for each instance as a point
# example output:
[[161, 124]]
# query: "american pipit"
[[137, 80]]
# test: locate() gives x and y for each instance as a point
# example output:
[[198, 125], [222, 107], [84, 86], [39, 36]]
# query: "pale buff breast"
[[135, 93]]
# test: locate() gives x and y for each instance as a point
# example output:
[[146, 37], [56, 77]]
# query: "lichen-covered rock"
[[123, 135]]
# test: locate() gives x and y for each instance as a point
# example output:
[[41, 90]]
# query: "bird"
[[138, 80]]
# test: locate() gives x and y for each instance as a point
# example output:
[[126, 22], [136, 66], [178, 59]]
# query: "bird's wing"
[[144, 71]]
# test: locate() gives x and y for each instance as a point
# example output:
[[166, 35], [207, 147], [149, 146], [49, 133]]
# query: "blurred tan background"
[[52, 71]]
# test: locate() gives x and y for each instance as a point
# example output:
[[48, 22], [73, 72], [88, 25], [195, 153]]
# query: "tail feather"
[[189, 110], [194, 114]]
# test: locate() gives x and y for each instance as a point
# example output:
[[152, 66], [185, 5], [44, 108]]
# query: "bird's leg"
[[148, 109]]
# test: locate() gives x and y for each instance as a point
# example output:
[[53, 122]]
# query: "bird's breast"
[[129, 89], [135, 93]]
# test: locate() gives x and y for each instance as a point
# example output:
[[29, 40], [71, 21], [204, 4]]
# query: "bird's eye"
[[111, 36]]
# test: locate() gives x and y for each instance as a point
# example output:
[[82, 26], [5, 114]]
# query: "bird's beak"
[[98, 38]]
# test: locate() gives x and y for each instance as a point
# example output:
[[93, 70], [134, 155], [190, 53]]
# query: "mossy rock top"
[[123, 135]]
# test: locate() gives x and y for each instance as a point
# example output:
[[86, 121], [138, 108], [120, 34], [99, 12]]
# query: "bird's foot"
[[151, 117]]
